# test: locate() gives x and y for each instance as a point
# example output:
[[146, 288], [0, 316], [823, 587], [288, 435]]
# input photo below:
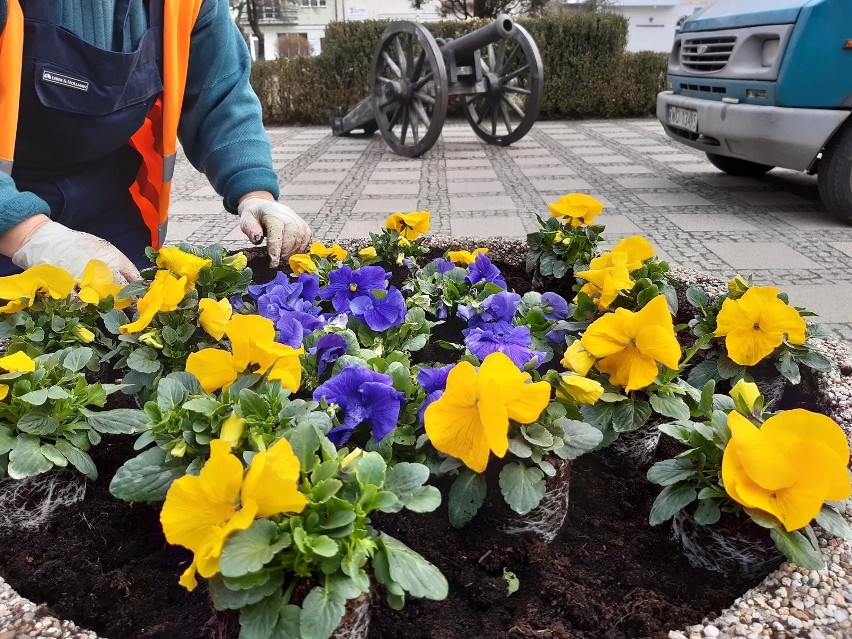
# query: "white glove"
[[286, 233], [60, 246]]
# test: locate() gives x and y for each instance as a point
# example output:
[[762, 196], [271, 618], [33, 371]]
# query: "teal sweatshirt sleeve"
[[17, 206], [221, 126]]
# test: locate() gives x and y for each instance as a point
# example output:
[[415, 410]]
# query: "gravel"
[[789, 602]]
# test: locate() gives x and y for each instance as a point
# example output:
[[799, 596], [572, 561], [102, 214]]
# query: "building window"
[[313, 3], [269, 10]]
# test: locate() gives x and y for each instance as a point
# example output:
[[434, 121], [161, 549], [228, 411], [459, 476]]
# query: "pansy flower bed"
[[495, 440]]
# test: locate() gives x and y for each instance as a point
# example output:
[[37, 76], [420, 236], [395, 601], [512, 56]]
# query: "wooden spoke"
[[494, 119], [505, 113], [409, 56], [394, 117], [509, 60], [384, 80], [400, 55], [404, 125], [514, 74], [501, 52], [520, 90], [422, 82], [421, 112], [415, 132], [418, 66], [393, 66], [492, 57], [424, 97], [514, 107], [483, 111]]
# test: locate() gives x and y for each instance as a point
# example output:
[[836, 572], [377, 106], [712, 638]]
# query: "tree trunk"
[[254, 23]]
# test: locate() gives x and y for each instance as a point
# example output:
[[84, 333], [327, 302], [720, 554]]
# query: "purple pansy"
[[293, 326], [344, 284], [433, 381], [364, 396], [500, 307], [554, 306], [328, 349], [290, 306], [442, 265], [379, 314], [514, 341], [482, 270]]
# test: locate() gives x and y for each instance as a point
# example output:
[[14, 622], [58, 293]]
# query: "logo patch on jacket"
[[64, 80]]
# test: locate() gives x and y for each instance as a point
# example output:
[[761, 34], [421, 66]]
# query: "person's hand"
[[286, 233], [53, 243]]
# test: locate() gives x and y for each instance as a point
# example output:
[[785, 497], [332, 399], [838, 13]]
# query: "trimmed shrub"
[[587, 71]]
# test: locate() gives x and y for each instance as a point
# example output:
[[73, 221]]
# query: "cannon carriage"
[[495, 70]]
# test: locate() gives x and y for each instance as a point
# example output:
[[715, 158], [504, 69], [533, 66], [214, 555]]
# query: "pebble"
[[789, 602]]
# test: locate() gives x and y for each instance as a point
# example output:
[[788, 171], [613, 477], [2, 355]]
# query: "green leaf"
[[522, 487], [39, 422], [579, 438], [834, 523], [232, 595], [728, 368], [248, 550], [146, 477], [670, 501], [35, 398], [78, 458], [120, 421], [77, 358], [371, 469], [466, 497], [305, 440], [670, 471], [519, 448], [204, 405], [537, 435], [697, 297], [171, 393], [788, 368], [412, 572], [797, 548], [57, 393], [26, 458], [113, 320], [669, 406], [56, 458], [325, 490], [321, 614], [815, 360], [289, 617], [144, 360], [323, 546], [702, 373], [405, 479], [708, 512], [630, 415], [257, 621], [512, 582], [415, 342], [426, 500]]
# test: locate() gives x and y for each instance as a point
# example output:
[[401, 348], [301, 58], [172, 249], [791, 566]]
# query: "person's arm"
[[21, 214], [221, 129]]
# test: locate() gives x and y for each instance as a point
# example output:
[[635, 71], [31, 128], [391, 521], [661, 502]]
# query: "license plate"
[[683, 118]]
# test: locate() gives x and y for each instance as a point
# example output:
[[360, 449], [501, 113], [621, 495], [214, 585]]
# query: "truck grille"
[[706, 55]]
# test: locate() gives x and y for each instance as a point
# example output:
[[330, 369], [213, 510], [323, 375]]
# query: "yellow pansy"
[[471, 418], [755, 325], [578, 359], [466, 257], [232, 429], [200, 512], [20, 290], [579, 389], [409, 225], [97, 283], [789, 467], [576, 208], [163, 295], [83, 334], [18, 362], [182, 264], [628, 345], [301, 263], [636, 249], [253, 349], [367, 253], [748, 392], [737, 286], [605, 283], [214, 316], [236, 261], [334, 251]]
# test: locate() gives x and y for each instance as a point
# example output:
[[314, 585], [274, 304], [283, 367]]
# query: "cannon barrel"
[[501, 28]]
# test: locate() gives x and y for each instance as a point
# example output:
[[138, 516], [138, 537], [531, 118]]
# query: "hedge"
[[587, 71]]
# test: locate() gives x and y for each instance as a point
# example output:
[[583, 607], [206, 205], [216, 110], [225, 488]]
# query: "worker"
[[93, 97]]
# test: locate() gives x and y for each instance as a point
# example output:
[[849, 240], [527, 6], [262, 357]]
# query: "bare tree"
[[464, 9], [255, 11]]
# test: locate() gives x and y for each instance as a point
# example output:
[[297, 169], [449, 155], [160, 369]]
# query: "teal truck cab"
[[758, 84]]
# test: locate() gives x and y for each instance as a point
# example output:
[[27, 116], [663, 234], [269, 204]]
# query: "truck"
[[760, 84]]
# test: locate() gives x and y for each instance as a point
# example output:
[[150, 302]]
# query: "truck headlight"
[[770, 52]]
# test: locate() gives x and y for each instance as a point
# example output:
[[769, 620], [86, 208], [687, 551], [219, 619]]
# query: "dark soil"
[[105, 564]]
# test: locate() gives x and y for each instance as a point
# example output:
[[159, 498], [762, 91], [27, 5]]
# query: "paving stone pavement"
[[773, 227]]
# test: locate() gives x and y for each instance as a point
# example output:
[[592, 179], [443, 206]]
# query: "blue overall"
[[79, 107]]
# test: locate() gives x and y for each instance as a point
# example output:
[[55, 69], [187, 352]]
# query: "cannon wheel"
[[409, 88], [514, 78]]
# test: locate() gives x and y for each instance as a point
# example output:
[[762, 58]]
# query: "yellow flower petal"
[[629, 368], [18, 362], [581, 389], [660, 343], [97, 283], [578, 359], [367, 253], [288, 370], [577, 208], [608, 334], [763, 460], [213, 368], [409, 225], [245, 332], [187, 579], [232, 429], [321, 250], [466, 257], [748, 392], [301, 263], [4, 391], [272, 481], [183, 265], [214, 316], [637, 250]]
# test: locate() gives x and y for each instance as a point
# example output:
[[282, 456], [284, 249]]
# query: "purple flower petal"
[[328, 349], [555, 306], [513, 341], [380, 314], [482, 270]]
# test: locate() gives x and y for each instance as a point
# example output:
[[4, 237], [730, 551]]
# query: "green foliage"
[[330, 544], [46, 421], [587, 71]]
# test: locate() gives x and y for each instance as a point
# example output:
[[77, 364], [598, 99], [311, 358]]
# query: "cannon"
[[496, 70]]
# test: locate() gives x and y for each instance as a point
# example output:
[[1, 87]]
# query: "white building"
[[653, 22]]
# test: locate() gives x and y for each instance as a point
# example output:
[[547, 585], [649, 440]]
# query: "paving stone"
[[710, 222], [402, 187], [313, 177], [748, 256], [604, 159], [306, 207], [309, 188], [656, 148], [843, 247], [395, 176], [386, 205], [831, 302], [360, 228], [471, 174], [647, 183], [673, 199], [205, 191], [181, 227], [640, 143], [547, 171], [463, 155], [811, 220], [579, 143], [695, 167], [481, 203], [674, 157], [474, 186], [624, 169], [465, 164], [198, 207], [566, 184], [548, 160], [769, 198], [487, 227], [399, 165], [326, 165], [725, 180]]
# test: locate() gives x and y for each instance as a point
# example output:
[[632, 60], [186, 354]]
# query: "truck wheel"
[[735, 166], [835, 175]]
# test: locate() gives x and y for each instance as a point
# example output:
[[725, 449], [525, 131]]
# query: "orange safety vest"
[[156, 139]]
